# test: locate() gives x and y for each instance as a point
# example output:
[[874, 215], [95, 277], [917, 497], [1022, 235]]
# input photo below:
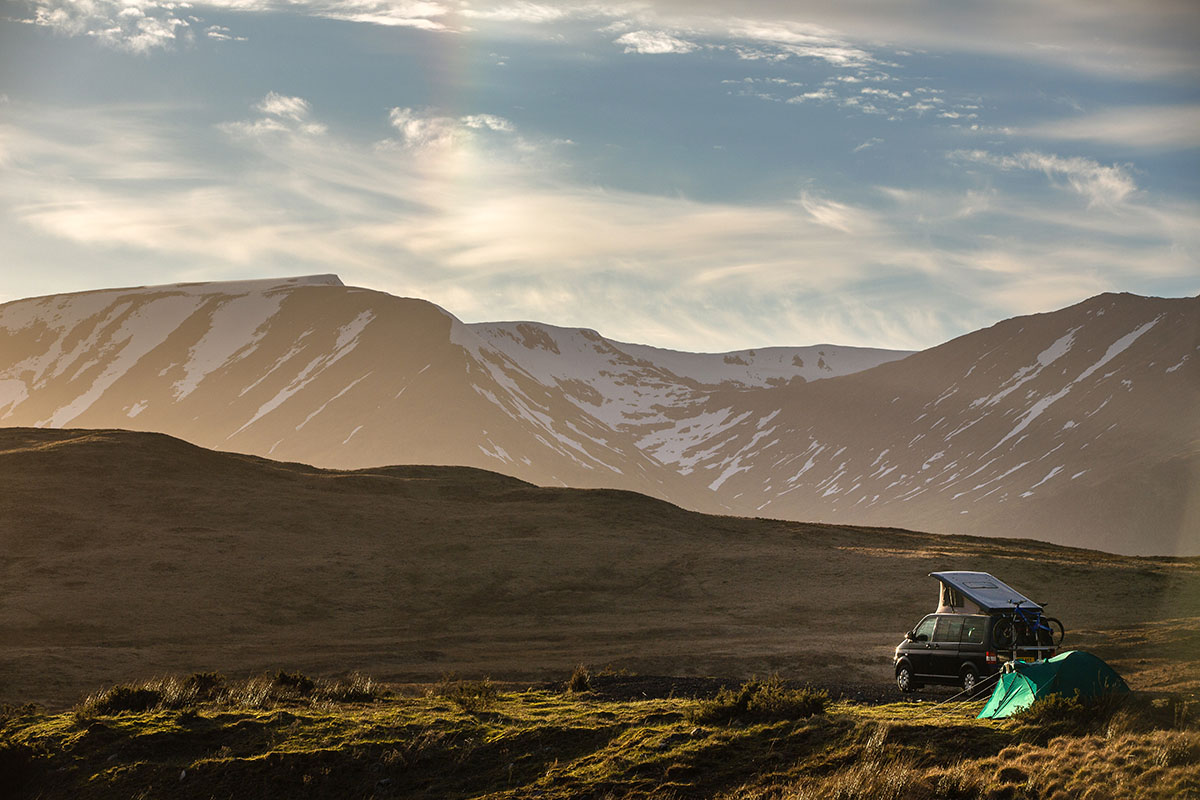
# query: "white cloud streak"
[[282, 114], [142, 26], [818, 95], [654, 43], [1147, 40], [1144, 40], [1100, 184], [533, 13], [785, 39], [425, 130], [295, 108], [134, 26], [1144, 127]]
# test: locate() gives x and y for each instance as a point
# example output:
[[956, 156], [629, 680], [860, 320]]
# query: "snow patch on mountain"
[[347, 338], [235, 327], [140, 331]]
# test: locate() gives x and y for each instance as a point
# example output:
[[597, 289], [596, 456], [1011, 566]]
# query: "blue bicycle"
[[1027, 629]]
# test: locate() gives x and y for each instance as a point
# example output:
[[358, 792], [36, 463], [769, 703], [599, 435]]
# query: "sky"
[[704, 176]]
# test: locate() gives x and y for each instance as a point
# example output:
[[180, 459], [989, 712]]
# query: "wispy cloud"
[[142, 26], [427, 130], [295, 108], [780, 39], [817, 95], [831, 214], [1139, 127], [420, 14], [138, 26], [536, 13], [1103, 185], [654, 43], [1151, 39], [466, 211], [223, 34], [280, 114]]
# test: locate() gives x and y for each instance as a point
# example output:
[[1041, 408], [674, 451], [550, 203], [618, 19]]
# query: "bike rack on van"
[[1039, 627]]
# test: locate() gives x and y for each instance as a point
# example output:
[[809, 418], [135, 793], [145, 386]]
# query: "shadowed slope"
[[127, 554]]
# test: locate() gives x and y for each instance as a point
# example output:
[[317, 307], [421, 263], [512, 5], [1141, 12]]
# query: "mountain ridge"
[[1097, 396]]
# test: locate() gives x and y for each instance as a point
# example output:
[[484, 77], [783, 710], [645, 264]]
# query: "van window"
[[972, 630], [948, 629], [925, 629]]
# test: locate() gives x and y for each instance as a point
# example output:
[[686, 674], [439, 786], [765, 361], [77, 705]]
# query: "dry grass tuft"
[[580, 680], [212, 688]]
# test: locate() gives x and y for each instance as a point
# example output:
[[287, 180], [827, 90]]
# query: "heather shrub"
[[293, 683], [263, 691], [763, 701], [205, 685], [357, 689], [470, 696], [1059, 715], [118, 699]]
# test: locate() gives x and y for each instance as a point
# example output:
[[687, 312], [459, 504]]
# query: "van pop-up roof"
[[978, 592]]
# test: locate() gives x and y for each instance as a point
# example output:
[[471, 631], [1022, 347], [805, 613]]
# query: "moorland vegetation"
[[285, 735]]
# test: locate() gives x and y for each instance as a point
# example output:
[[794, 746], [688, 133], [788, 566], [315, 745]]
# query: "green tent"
[[1065, 674]]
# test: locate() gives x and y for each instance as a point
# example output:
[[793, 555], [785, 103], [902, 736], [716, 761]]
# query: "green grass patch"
[[470, 739]]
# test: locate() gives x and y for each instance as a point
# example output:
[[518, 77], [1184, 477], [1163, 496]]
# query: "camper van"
[[980, 623]]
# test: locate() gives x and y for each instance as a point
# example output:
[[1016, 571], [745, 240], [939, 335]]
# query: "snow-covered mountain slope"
[[656, 396], [305, 370], [310, 370], [1077, 426], [1081, 425]]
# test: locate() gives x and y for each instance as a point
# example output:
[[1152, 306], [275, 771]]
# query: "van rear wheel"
[[970, 679]]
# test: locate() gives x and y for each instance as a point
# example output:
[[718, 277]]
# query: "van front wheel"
[[904, 679]]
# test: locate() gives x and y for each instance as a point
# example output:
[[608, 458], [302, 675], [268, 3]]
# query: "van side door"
[[944, 648], [971, 646]]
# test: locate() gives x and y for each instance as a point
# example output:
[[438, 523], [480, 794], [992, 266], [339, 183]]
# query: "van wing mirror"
[[911, 636]]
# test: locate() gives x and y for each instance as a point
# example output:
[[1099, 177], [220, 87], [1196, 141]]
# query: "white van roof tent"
[[983, 591]]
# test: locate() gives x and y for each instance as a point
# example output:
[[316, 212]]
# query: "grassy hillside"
[[283, 738], [128, 555]]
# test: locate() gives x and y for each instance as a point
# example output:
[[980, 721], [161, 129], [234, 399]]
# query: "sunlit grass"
[[275, 736]]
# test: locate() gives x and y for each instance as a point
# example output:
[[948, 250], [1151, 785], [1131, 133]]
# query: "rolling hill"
[[126, 555]]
